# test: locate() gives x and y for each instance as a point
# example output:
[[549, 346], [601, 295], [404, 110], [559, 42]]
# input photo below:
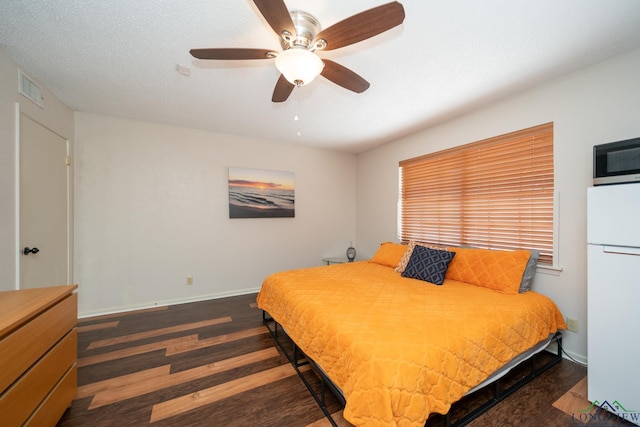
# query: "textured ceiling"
[[119, 57]]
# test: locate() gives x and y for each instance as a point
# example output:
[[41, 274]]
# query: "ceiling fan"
[[301, 36]]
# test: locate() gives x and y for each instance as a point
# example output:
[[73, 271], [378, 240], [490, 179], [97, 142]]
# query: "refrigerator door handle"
[[624, 250]]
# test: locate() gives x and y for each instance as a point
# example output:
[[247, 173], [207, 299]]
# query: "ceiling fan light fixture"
[[299, 66]]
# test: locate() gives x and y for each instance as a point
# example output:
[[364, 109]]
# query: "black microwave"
[[616, 162]]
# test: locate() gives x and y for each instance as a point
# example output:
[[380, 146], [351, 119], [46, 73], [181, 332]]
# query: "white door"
[[44, 206]]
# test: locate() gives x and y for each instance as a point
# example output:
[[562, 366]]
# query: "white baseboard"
[[124, 309], [566, 354]]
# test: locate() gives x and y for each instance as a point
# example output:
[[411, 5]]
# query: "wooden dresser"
[[38, 353]]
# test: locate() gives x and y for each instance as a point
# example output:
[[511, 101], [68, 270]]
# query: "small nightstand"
[[335, 260]]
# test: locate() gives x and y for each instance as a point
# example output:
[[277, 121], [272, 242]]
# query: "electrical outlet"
[[189, 280], [572, 324]]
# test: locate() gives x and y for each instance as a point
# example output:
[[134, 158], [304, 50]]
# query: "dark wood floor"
[[214, 363]]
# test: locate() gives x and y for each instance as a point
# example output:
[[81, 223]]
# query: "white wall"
[[55, 116], [596, 105], [152, 209]]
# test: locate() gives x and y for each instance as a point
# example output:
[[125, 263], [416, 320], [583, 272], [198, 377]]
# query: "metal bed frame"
[[299, 360]]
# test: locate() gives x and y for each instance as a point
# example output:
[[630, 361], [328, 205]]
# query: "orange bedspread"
[[400, 348]]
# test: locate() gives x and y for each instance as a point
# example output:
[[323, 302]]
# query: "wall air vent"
[[30, 89]]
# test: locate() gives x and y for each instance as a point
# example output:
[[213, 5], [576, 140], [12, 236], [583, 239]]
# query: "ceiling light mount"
[[306, 26], [298, 63]]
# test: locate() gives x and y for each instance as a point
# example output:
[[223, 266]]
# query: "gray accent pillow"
[[529, 271]]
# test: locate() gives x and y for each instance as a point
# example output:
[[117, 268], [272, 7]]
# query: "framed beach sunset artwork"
[[259, 193]]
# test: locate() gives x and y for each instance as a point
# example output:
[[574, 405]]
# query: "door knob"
[[28, 250]]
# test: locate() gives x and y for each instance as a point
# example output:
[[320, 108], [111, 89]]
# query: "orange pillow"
[[493, 269], [389, 254]]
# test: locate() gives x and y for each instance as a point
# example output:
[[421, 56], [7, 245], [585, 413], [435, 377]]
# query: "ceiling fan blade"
[[362, 25], [344, 77], [283, 90], [231, 53], [277, 15]]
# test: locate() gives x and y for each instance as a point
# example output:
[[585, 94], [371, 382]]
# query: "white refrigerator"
[[613, 304]]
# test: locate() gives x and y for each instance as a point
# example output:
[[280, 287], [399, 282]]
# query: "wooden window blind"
[[496, 193]]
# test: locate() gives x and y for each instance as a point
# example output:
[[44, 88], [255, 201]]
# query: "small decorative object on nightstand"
[[351, 252]]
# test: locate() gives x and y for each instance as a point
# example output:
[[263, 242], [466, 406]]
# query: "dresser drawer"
[[23, 347], [51, 410], [25, 395]]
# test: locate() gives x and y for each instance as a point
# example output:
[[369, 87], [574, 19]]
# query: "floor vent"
[[30, 89]]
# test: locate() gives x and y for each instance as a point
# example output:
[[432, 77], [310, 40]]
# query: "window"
[[495, 193]]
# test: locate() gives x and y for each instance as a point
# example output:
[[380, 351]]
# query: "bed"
[[398, 348]]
